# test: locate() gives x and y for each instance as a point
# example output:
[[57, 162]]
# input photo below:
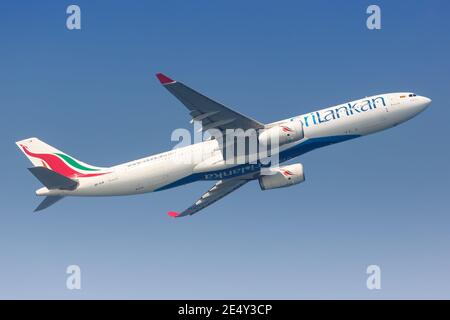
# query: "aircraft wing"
[[217, 192], [211, 113]]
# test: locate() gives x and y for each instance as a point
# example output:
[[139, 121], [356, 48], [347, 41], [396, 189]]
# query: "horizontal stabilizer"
[[53, 180], [47, 202]]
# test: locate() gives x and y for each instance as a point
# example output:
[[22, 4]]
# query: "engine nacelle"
[[284, 132], [282, 177]]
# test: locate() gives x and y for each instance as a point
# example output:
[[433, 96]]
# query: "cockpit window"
[[412, 95]]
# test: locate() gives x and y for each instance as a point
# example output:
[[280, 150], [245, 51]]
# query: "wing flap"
[[217, 192], [212, 114]]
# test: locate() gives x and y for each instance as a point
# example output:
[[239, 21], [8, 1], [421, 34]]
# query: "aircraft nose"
[[424, 102]]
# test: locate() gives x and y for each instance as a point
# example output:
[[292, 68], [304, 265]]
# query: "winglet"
[[164, 79], [173, 214]]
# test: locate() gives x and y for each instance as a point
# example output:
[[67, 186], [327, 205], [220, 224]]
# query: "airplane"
[[63, 175]]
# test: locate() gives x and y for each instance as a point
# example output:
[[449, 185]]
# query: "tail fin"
[[44, 155]]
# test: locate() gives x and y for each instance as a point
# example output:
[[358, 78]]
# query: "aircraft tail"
[[43, 155], [47, 202], [53, 180]]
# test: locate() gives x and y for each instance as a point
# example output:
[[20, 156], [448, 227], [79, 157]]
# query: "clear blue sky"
[[381, 199]]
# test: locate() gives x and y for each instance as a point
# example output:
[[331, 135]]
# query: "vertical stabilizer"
[[43, 155]]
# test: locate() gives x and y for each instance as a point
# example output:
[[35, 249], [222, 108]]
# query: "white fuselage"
[[324, 127]]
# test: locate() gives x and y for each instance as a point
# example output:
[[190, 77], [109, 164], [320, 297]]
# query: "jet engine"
[[284, 176], [284, 132]]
